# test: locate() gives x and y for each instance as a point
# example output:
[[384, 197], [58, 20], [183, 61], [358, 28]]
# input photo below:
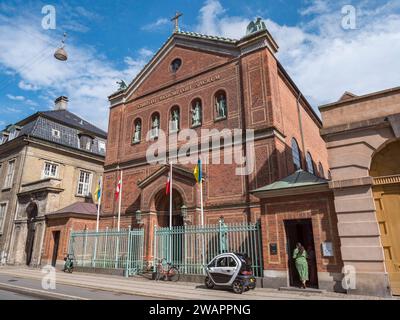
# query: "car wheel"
[[208, 282], [237, 287]]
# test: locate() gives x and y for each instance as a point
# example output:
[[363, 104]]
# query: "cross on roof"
[[176, 19]]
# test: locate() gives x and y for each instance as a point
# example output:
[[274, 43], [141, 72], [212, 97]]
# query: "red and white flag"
[[168, 185], [118, 190]]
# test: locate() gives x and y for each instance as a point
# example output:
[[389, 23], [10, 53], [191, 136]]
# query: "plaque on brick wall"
[[273, 249], [327, 249]]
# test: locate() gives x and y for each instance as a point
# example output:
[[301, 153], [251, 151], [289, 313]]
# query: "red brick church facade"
[[260, 96]]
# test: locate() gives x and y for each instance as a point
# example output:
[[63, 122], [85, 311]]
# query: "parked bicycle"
[[167, 271]]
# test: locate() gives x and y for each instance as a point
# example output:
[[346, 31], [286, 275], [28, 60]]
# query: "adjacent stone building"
[[363, 140], [48, 161]]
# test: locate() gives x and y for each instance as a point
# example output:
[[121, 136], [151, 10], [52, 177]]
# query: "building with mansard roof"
[[48, 161]]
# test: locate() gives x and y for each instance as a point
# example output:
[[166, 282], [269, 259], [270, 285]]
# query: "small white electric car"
[[230, 270]]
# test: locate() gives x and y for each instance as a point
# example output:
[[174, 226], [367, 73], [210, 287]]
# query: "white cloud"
[[322, 58], [15, 98], [157, 25], [86, 78], [27, 86], [315, 7]]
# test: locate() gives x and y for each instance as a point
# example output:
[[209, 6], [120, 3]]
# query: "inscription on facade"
[[179, 91]]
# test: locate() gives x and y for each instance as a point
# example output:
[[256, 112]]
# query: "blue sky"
[[111, 40]]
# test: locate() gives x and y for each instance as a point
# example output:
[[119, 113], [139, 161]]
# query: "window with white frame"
[[56, 133], [3, 208], [10, 174], [84, 183], [50, 170], [102, 146]]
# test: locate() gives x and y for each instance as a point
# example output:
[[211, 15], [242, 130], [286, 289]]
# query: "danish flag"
[[168, 186], [118, 190]]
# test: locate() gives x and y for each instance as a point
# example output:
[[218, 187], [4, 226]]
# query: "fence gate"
[[109, 249], [192, 247]]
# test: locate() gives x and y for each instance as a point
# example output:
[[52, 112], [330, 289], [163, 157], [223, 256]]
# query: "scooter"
[[69, 263], [230, 270]]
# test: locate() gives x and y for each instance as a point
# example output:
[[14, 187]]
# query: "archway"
[[162, 206], [31, 212], [385, 169]]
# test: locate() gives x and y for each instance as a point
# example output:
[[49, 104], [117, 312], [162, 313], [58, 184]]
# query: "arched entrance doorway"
[[162, 208], [31, 212], [385, 169]]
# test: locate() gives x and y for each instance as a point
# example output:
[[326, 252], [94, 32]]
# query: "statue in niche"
[[155, 126], [221, 106], [138, 132], [175, 120], [196, 114]]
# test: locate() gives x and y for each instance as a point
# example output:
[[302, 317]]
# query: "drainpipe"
[[301, 130], [244, 139]]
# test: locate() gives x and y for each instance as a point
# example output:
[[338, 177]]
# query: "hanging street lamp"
[[60, 53]]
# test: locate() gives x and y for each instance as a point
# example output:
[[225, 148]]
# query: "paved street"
[[19, 288], [87, 286], [9, 295]]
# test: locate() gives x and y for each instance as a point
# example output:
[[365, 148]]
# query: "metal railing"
[[108, 249], [191, 247]]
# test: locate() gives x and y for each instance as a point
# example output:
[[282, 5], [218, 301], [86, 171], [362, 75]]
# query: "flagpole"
[[120, 204], [170, 196], [170, 212], [98, 205], [97, 221], [202, 215]]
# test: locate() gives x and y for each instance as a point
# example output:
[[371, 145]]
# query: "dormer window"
[[3, 137], [56, 133], [85, 142], [14, 131], [102, 146]]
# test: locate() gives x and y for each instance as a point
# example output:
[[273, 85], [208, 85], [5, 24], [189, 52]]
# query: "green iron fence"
[[109, 249], [192, 247]]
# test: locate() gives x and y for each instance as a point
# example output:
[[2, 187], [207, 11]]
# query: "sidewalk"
[[167, 290]]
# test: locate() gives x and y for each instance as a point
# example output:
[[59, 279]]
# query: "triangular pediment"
[[197, 55]]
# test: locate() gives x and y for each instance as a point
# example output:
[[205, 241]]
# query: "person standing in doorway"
[[300, 258]]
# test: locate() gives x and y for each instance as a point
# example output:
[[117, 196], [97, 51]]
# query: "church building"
[[198, 82]]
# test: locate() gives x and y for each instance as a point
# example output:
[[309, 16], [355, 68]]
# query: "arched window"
[[174, 119], [175, 65], [221, 105], [155, 125], [321, 170], [296, 154], [137, 135], [197, 112], [309, 161]]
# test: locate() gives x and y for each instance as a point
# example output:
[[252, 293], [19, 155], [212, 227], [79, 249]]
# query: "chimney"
[[61, 103]]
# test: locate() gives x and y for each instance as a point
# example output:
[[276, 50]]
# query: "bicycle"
[[170, 272]]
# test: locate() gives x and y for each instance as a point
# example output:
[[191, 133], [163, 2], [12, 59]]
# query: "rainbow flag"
[[197, 172]]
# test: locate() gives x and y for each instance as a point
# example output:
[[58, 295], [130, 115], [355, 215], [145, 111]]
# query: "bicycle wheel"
[[173, 274]]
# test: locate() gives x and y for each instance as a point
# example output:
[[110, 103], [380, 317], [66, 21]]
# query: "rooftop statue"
[[122, 85], [255, 26]]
